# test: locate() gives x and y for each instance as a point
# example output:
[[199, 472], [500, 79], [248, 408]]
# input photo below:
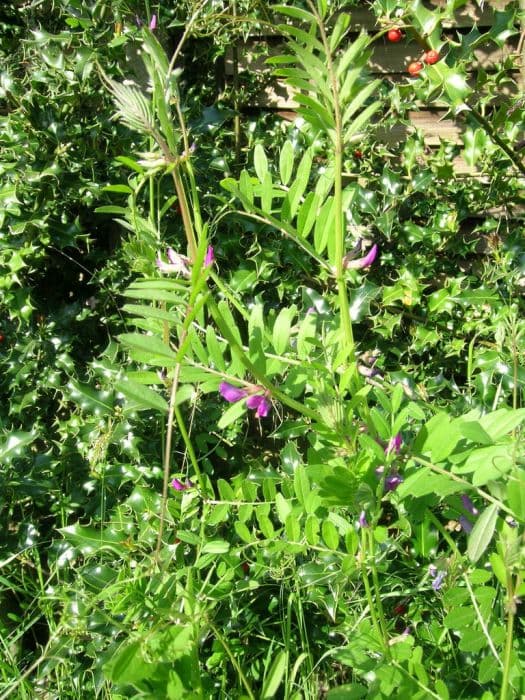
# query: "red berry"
[[395, 34], [358, 154], [2, 337], [431, 57], [415, 68]]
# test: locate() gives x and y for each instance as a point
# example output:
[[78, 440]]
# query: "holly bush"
[[262, 428]]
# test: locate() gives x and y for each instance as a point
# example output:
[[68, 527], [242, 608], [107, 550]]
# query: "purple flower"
[[153, 23], [177, 263], [394, 444], [138, 21], [468, 505], [256, 402], [360, 263], [392, 481], [438, 577], [209, 258], [362, 522], [178, 485], [231, 393], [465, 524], [367, 371], [259, 404]]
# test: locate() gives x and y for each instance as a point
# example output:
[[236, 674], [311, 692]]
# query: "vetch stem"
[[509, 638], [347, 334], [378, 624]]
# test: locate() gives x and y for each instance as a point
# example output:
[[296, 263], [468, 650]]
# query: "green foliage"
[[289, 471]]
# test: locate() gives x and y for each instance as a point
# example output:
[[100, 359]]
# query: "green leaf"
[[90, 399], [488, 669], [274, 676], [330, 535], [149, 344], [481, 535], [475, 141], [460, 618], [324, 225], [91, 540], [301, 484], [283, 507], [424, 482], [242, 531], [454, 83], [111, 209], [286, 161], [266, 193], [311, 530], [299, 184], [498, 567], [231, 414], [121, 189], [502, 422], [439, 436], [352, 54], [295, 12], [127, 665], [307, 214], [361, 121], [246, 186], [145, 397], [310, 106], [516, 493], [215, 350], [360, 300], [150, 312], [487, 464], [281, 329], [424, 19], [216, 547], [292, 528], [306, 336], [260, 162], [13, 446], [359, 101], [473, 431], [339, 30]]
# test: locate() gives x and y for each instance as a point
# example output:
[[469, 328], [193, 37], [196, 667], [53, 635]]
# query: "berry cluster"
[[395, 34]]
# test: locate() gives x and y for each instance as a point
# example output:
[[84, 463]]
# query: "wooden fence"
[[389, 60]]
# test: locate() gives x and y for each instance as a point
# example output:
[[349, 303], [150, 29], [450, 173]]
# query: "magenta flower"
[[153, 23], [259, 404], [392, 481], [465, 523], [209, 258], [438, 577], [256, 402], [394, 444], [178, 485], [362, 521], [360, 263], [177, 263], [468, 505], [231, 393]]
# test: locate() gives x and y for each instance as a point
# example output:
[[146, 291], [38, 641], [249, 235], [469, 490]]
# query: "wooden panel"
[[386, 59], [466, 16], [433, 125]]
